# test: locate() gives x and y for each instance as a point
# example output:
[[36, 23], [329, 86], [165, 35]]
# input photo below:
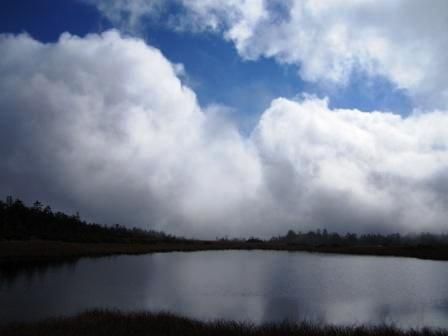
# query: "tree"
[[291, 235], [37, 206]]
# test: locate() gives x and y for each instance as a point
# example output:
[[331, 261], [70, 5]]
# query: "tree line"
[[38, 221], [325, 238], [21, 222]]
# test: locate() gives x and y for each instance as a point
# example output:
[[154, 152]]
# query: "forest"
[[325, 238], [21, 222]]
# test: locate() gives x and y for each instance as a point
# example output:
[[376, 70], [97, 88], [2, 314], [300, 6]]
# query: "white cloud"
[[102, 124], [128, 14], [333, 166], [401, 40], [105, 123]]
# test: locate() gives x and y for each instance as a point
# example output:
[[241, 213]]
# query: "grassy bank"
[[31, 251], [108, 323]]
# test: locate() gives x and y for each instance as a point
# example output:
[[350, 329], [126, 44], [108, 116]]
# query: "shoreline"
[[115, 323], [15, 253]]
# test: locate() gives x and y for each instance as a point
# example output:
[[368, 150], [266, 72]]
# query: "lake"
[[259, 286]]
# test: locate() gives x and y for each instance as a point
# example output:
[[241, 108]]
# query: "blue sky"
[[215, 71]]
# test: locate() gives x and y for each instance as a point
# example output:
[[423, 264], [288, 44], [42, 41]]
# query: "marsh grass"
[[114, 323]]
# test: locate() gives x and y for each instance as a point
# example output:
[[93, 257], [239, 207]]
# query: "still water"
[[259, 286]]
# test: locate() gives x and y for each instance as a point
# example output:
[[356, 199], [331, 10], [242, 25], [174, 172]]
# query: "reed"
[[115, 323]]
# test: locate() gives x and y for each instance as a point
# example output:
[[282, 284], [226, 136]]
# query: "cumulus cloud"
[[401, 40], [103, 124], [353, 169]]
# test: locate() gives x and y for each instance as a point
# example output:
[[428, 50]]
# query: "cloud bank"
[[102, 124]]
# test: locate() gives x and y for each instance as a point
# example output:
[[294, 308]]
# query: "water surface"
[[259, 286]]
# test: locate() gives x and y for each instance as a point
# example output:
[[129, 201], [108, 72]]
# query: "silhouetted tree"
[[318, 237], [17, 221]]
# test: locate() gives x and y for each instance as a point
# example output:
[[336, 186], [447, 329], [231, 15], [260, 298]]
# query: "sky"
[[209, 118]]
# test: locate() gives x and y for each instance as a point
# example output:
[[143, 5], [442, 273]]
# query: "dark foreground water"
[[259, 286]]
